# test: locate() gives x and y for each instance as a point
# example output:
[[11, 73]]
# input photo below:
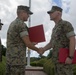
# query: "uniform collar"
[[19, 19], [59, 22]]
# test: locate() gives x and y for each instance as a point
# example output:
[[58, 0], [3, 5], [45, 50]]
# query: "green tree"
[[3, 50], [50, 54], [42, 56]]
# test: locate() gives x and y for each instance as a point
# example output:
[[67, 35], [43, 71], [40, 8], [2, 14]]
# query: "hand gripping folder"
[[64, 53], [36, 34]]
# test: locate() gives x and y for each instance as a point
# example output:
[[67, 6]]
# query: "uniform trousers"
[[15, 69]]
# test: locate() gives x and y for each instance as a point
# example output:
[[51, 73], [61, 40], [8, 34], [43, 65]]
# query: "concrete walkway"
[[34, 71]]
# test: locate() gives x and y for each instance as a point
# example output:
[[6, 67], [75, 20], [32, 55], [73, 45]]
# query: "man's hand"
[[41, 51], [34, 43], [68, 61]]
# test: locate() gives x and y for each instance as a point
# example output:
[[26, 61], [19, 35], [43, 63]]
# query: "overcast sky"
[[40, 16]]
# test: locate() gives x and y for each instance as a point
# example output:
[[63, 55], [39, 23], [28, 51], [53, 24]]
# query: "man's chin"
[[51, 19], [25, 20]]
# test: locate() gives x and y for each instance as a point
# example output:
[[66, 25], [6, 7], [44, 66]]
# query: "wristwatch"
[[71, 57]]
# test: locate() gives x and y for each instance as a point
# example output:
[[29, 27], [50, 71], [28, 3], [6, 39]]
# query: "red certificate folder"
[[36, 33], [64, 53]]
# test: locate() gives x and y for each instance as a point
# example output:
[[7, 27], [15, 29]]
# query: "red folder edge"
[[36, 33], [64, 53]]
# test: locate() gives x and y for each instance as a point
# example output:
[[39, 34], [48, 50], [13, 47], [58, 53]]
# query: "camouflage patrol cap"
[[54, 8], [0, 22], [25, 8]]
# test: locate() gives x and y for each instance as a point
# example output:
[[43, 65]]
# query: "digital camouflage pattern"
[[63, 69], [16, 49], [15, 70], [60, 39]]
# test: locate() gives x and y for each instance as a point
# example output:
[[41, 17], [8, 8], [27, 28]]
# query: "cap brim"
[[51, 11], [30, 12]]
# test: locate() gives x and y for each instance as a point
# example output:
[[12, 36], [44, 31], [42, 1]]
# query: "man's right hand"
[[41, 51]]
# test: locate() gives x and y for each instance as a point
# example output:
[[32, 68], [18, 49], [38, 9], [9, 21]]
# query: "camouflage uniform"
[[16, 49], [60, 39]]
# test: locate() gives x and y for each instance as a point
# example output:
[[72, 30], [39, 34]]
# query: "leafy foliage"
[[50, 54], [39, 62], [3, 50], [3, 66]]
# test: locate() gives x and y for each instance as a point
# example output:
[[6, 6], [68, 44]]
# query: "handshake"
[[41, 51]]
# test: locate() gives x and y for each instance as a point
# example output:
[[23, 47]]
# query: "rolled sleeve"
[[70, 34], [24, 33], [69, 30]]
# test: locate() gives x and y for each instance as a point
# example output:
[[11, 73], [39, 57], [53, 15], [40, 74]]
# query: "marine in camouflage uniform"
[[61, 33], [16, 47], [60, 39], [0, 43]]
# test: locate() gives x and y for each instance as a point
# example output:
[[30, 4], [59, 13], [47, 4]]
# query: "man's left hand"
[[68, 61]]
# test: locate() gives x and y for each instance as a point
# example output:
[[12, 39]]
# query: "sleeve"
[[69, 30], [23, 31]]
